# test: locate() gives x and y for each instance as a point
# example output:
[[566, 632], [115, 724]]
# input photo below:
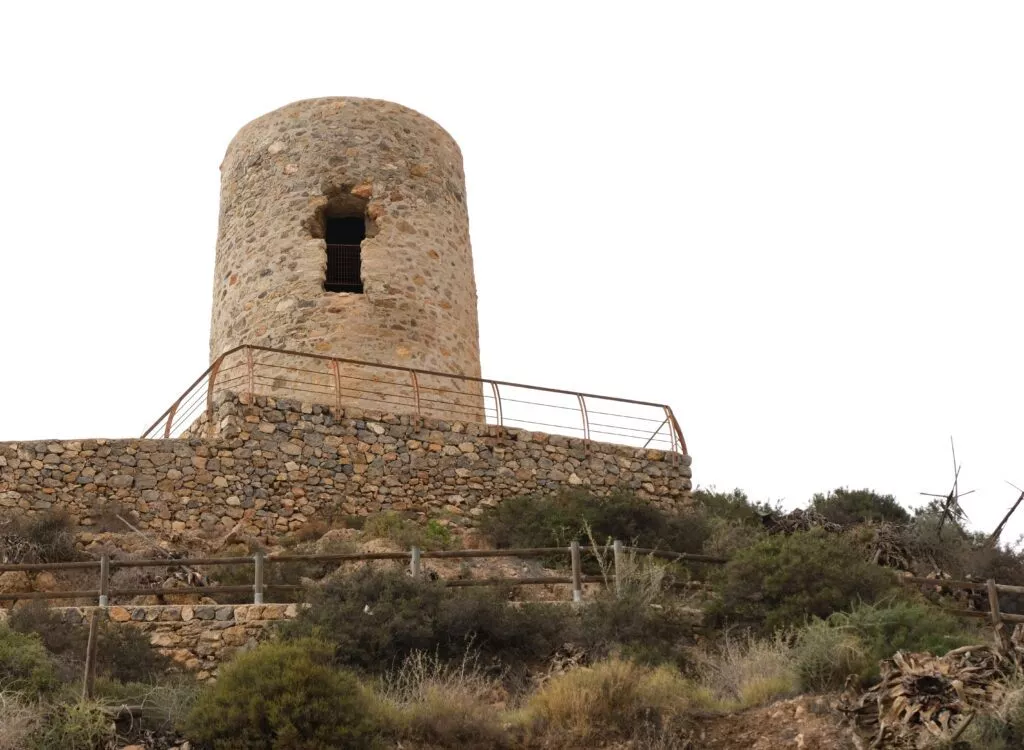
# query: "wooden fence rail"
[[259, 562]]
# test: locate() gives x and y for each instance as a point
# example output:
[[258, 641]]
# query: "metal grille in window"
[[343, 269]]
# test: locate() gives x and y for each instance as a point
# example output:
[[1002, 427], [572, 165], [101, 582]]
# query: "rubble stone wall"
[[197, 637], [355, 157], [275, 465]]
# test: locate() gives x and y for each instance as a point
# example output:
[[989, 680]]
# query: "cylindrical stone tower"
[[344, 233]]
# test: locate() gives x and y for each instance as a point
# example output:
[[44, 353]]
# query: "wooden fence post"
[[619, 566], [994, 612], [104, 580], [414, 563], [89, 683], [257, 588], [577, 572]]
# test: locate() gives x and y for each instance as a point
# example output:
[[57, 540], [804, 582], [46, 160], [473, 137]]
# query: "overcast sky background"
[[799, 223]]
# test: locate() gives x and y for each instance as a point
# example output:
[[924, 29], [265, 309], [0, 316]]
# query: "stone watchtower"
[[344, 233]]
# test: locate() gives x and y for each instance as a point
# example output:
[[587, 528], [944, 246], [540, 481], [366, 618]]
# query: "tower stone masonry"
[[388, 183]]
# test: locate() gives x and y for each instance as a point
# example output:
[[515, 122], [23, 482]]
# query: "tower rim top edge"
[[342, 101]]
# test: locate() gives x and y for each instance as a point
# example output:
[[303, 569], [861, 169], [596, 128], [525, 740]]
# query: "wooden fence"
[[259, 562], [104, 594]]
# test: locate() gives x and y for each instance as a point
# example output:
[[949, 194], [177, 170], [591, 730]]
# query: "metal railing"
[[104, 593], [338, 382]]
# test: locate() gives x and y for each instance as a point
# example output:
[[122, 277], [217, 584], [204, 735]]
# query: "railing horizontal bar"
[[543, 424], [184, 590], [177, 563], [442, 374], [640, 431], [293, 384], [25, 567], [49, 595], [467, 553], [626, 416], [340, 557], [506, 400], [982, 614], [974, 585], [667, 555], [290, 368]]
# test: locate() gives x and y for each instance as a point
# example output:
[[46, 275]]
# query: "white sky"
[[799, 223]]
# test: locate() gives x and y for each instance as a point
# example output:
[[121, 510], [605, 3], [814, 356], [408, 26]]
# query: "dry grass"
[[615, 699], [745, 672], [640, 578], [430, 700], [17, 720]]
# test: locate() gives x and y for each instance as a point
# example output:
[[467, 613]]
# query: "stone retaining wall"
[[274, 465], [197, 637]]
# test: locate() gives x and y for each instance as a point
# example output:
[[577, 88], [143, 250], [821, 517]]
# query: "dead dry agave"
[[922, 698]]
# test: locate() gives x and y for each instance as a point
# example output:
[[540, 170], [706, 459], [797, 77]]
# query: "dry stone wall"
[[197, 637], [275, 464]]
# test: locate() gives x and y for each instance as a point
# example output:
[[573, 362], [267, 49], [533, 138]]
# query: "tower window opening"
[[344, 236]]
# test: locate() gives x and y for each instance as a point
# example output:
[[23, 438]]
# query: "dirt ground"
[[803, 723]]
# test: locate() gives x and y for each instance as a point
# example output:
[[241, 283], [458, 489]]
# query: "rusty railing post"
[[497, 404], [415, 390], [337, 386], [678, 441], [251, 372], [104, 580], [214, 369], [170, 418], [585, 416]]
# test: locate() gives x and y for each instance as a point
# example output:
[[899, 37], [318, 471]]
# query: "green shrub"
[[898, 625], [854, 642], [375, 618], [732, 506], [283, 696], [407, 533], [846, 507], [80, 725], [783, 580], [24, 664], [645, 632], [826, 655], [555, 521], [122, 651]]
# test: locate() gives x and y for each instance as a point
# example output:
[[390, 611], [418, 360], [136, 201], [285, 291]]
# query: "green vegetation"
[[24, 663], [407, 533], [844, 506], [382, 660], [373, 619], [782, 580], [555, 521], [123, 654], [284, 696], [852, 643], [78, 725]]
